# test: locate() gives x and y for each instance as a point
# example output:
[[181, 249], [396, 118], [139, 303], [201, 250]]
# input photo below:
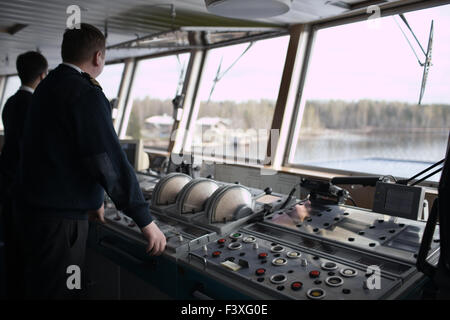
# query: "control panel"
[[180, 237], [358, 228], [274, 246], [147, 183], [291, 271]]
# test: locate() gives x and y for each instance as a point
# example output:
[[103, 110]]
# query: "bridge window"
[[11, 87], [360, 111], [110, 80], [238, 91], [156, 82]]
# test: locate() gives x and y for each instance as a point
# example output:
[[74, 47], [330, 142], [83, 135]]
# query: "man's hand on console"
[[97, 215], [156, 239], [303, 210]]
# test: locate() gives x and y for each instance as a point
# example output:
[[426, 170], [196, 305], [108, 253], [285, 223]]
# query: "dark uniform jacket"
[[71, 152], [13, 116]]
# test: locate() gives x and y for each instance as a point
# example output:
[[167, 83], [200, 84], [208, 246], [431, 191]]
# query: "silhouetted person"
[[31, 68], [71, 156]]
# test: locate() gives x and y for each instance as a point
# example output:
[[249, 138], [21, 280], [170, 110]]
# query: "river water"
[[401, 154]]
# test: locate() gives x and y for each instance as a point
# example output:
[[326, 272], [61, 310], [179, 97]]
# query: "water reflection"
[[396, 153]]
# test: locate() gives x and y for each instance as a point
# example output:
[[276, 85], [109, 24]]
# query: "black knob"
[[268, 190]]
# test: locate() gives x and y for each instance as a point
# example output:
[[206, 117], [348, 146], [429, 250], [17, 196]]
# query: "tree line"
[[318, 115], [367, 114]]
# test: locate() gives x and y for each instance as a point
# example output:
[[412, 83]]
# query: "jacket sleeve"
[[100, 152]]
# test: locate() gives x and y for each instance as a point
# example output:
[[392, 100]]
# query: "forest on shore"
[[317, 116]]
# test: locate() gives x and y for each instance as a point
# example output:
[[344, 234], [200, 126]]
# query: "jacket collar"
[[73, 66], [27, 89]]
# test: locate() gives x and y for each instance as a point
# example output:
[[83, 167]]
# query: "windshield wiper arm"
[[219, 75], [427, 63]]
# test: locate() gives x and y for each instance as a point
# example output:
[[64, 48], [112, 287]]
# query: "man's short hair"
[[79, 45], [30, 65]]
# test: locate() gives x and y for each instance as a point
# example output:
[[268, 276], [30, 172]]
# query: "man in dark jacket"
[[71, 155], [31, 68]]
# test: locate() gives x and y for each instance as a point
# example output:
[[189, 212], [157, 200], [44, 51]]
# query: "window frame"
[[128, 108], [192, 78], [2, 92], [297, 118], [3, 84], [114, 62], [117, 119], [187, 143], [2, 88]]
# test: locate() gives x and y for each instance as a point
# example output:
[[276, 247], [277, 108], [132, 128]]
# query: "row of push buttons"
[[329, 266], [313, 293]]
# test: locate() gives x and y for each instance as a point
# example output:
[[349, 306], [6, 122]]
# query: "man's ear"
[[42, 75], [98, 58]]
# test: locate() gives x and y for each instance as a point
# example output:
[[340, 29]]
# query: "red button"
[[221, 241], [296, 285], [216, 254], [314, 274], [262, 255], [260, 272]]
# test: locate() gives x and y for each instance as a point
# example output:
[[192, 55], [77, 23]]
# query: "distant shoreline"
[[317, 131]]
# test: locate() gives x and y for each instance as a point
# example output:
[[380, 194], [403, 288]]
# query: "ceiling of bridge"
[[39, 25]]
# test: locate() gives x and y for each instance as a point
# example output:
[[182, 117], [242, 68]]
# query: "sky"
[[349, 62], [110, 79], [380, 64], [158, 78], [256, 75]]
